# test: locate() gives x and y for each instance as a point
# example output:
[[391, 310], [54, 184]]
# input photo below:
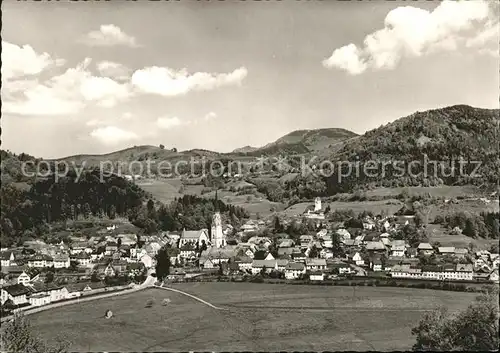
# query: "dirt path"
[[192, 296]]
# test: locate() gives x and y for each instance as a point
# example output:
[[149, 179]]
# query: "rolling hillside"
[[443, 135], [301, 142]]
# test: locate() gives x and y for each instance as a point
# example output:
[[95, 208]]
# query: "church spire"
[[216, 201]]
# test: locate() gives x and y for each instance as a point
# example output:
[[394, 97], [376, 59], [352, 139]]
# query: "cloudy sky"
[[96, 77]]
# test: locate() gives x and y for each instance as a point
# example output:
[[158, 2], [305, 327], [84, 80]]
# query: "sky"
[[95, 77]]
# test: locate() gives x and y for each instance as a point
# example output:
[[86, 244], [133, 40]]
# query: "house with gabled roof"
[[263, 255], [315, 264], [446, 250], [294, 270], [194, 237], [425, 249], [7, 258], [40, 261], [244, 263], [268, 265], [61, 261], [17, 293]]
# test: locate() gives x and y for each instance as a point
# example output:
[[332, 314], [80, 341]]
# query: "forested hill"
[[49, 201], [444, 135], [27, 213]]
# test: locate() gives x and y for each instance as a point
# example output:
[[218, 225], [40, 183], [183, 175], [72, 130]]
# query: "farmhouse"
[[294, 270], [315, 264], [61, 261], [316, 276], [285, 251], [39, 299], [208, 264], [244, 263], [7, 258], [358, 260], [305, 240], [446, 250], [425, 249], [341, 268], [40, 261], [23, 279], [267, 265], [398, 248], [17, 293]]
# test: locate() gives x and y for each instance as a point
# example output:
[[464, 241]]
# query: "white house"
[[398, 250], [343, 233], [268, 265], [40, 261], [7, 258], [40, 299], [244, 264], [294, 270], [358, 260], [281, 264], [315, 264], [494, 276], [23, 278], [61, 261], [17, 293], [425, 248], [208, 264], [316, 276], [83, 259]]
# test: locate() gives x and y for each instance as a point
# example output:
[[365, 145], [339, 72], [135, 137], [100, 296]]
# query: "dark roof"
[[16, 290], [5, 255], [260, 255], [40, 257]]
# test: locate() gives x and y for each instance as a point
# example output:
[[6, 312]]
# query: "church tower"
[[317, 204], [218, 238]]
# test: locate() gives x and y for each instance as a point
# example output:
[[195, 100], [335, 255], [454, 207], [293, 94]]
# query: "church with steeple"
[[218, 239]]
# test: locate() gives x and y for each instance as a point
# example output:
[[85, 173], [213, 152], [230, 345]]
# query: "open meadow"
[[258, 317]]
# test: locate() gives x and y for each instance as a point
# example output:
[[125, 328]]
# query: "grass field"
[[442, 235], [260, 317], [441, 191], [389, 206]]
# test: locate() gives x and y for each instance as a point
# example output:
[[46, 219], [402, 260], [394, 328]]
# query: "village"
[[38, 274]]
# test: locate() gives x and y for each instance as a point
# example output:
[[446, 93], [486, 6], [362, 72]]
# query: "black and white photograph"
[[250, 176]]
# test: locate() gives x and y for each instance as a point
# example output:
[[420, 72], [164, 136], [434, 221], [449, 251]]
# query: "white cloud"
[[127, 116], [109, 35], [168, 82], [110, 119], [167, 123], [20, 61], [113, 70], [112, 135], [67, 93], [346, 58], [413, 32], [210, 116]]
